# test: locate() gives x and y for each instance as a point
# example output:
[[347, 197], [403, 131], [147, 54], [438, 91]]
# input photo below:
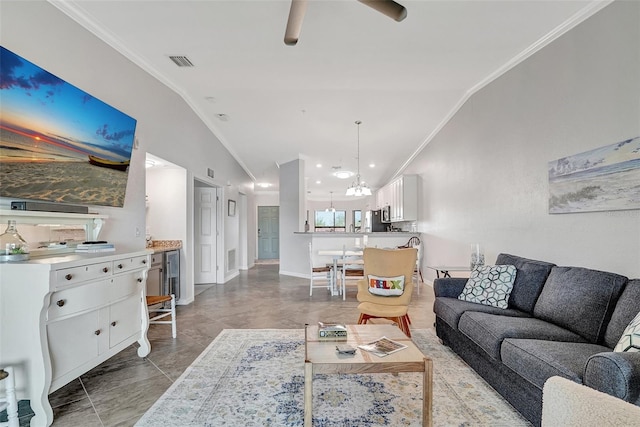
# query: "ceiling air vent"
[[181, 61]]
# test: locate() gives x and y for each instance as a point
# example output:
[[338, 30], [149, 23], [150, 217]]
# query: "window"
[[330, 221], [357, 220]]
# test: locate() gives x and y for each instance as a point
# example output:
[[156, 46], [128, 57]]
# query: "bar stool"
[[9, 401], [153, 306]]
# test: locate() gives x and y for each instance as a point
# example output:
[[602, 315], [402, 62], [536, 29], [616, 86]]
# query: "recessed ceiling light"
[[372, 165], [222, 117], [318, 182], [263, 185], [343, 174], [318, 165], [210, 99]]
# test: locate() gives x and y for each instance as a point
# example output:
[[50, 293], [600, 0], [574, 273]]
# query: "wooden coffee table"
[[321, 357]]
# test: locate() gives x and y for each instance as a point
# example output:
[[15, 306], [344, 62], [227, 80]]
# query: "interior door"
[[206, 232], [268, 232]]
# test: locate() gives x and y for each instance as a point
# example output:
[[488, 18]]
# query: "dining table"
[[337, 255]]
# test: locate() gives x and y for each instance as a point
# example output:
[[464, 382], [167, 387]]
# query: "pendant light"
[[331, 208], [358, 188]]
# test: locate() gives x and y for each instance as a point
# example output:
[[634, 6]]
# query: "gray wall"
[[485, 174]]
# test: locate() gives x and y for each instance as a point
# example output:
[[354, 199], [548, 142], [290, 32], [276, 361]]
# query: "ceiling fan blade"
[[294, 23], [390, 8]]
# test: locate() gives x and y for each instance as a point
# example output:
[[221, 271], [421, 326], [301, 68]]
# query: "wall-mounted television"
[[57, 142]]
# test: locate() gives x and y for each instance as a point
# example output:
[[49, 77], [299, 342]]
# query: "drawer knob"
[[144, 261], [139, 280], [97, 332], [105, 270], [68, 277], [60, 303], [113, 323], [120, 266]]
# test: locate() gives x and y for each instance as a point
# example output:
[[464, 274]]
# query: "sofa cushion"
[[450, 310], [580, 299], [530, 278], [630, 339], [488, 331], [490, 285], [626, 309], [538, 360]]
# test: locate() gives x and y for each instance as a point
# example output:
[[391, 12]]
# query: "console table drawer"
[[128, 264], [69, 276], [80, 298]]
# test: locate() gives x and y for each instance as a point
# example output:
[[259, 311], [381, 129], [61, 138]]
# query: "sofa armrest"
[[449, 287], [615, 373]]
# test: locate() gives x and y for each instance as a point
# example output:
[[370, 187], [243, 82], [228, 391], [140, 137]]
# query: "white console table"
[[61, 316]]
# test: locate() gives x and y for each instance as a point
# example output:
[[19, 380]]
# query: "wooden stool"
[[153, 301], [9, 400]]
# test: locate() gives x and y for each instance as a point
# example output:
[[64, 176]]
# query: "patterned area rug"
[[255, 377]]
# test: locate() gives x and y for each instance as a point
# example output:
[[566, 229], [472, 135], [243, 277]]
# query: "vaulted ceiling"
[[270, 103]]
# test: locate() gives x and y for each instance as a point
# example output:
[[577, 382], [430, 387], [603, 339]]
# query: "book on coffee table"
[[383, 346]]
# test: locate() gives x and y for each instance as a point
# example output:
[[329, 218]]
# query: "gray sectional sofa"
[[561, 321]]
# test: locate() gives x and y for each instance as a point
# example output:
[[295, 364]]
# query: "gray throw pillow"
[[490, 285]]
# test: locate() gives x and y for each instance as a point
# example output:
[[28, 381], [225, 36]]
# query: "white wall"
[[485, 174], [292, 202], [167, 127]]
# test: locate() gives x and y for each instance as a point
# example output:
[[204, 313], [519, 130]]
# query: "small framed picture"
[[232, 208]]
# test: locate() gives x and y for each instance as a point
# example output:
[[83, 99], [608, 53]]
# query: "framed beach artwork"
[[58, 143], [604, 179]]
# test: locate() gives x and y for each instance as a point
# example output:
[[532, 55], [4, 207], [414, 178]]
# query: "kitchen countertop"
[[349, 234], [164, 245]]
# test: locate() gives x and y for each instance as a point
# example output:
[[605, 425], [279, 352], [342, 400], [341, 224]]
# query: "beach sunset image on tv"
[[57, 142]]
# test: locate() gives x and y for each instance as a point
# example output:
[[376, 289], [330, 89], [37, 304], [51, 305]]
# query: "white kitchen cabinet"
[[401, 195], [154, 279], [63, 315]]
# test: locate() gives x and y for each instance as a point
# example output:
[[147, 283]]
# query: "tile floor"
[[119, 391]]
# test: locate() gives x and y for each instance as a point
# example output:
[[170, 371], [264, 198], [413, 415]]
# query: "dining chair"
[[351, 269], [324, 273], [414, 242], [388, 286], [9, 400], [155, 304]]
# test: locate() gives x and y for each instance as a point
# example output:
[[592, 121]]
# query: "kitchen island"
[[338, 240]]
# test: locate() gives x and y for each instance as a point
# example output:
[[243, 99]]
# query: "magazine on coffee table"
[[383, 347]]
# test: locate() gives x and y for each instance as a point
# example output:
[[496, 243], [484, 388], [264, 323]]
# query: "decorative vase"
[[12, 246], [477, 256]]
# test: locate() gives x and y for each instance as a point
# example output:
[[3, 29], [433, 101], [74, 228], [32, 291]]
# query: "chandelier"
[[358, 188], [331, 209]]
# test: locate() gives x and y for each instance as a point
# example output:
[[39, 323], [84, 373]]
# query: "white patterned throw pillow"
[[386, 286], [630, 339], [490, 285]]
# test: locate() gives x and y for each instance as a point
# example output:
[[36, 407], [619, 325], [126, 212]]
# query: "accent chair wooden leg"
[[405, 325]]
